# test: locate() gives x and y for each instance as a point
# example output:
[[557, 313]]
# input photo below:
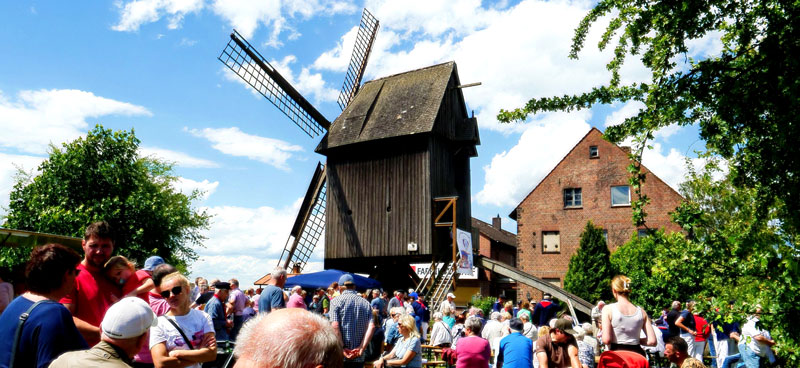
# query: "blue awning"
[[323, 279]]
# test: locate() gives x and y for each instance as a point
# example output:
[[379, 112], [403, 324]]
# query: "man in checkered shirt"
[[351, 318]]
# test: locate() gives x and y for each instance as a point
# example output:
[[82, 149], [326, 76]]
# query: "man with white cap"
[[449, 303], [124, 330]]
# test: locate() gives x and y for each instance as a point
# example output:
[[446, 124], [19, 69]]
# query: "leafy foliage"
[[742, 232], [729, 254], [590, 271], [102, 177], [662, 268], [484, 303], [745, 98]]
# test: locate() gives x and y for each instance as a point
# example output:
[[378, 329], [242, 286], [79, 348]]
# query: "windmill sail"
[[358, 61], [309, 225], [249, 65]]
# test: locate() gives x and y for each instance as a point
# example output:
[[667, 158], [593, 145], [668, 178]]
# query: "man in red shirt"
[[93, 293]]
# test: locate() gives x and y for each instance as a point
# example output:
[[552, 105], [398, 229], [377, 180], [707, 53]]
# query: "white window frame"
[[573, 191], [596, 152], [611, 196]]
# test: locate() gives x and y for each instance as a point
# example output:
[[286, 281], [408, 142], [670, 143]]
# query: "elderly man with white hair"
[[272, 295], [449, 304], [124, 331], [288, 338], [440, 333], [493, 328], [528, 329]]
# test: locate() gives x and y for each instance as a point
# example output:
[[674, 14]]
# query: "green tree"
[[590, 271], [662, 267], [102, 177], [744, 99], [730, 253]]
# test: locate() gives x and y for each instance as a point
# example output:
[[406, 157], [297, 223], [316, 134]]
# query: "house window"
[[593, 152], [605, 235], [642, 233], [572, 197], [551, 241], [621, 195]]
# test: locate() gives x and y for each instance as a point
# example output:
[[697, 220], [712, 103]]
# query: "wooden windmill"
[[396, 157]]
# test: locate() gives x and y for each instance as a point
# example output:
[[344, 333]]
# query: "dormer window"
[[593, 153]]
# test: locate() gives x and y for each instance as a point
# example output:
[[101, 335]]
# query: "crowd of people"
[[99, 310]]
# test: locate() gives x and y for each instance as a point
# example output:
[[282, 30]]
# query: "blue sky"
[[150, 65]]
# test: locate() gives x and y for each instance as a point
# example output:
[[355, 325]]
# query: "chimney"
[[496, 222]]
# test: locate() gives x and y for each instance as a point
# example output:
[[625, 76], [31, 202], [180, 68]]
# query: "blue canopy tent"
[[323, 279]]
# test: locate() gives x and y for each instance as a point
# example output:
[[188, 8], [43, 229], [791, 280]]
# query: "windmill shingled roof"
[[397, 105]]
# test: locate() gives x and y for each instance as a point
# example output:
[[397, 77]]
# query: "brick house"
[[495, 243], [590, 183]]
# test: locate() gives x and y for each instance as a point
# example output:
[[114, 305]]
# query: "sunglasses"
[[175, 291]]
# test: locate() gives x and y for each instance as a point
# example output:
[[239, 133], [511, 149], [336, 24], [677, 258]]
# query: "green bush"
[[483, 302]]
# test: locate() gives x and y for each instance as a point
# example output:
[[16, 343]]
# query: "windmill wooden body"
[[401, 142]]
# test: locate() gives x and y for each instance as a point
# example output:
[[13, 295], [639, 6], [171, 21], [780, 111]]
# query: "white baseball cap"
[[127, 318], [451, 295]]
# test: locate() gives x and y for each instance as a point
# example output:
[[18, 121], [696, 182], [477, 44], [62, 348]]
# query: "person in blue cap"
[[351, 318]]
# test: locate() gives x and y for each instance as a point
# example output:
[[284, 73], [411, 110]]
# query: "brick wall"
[[543, 209]]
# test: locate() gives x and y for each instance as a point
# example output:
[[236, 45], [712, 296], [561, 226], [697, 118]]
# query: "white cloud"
[[233, 141], [670, 167], [514, 173], [38, 118], [632, 108], [307, 83], [517, 53], [247, 242], [8, 171], [136, 13], [338, 58], [627, 110], [187, 42], [186, 186], [432, 17], [179, 158], [247, 15]]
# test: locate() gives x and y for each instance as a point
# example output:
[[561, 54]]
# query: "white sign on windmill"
[[464, 241]]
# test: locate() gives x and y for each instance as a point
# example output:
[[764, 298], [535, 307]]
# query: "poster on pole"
[[464, 241]]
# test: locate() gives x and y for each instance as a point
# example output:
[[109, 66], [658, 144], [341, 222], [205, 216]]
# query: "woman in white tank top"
[[623, 321]]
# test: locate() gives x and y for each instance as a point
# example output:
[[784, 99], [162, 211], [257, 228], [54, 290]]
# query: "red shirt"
[[702, 327], [137, 279], [92, 297]]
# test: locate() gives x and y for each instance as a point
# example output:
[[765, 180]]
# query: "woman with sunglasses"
[[168, 340], [407, 352]]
